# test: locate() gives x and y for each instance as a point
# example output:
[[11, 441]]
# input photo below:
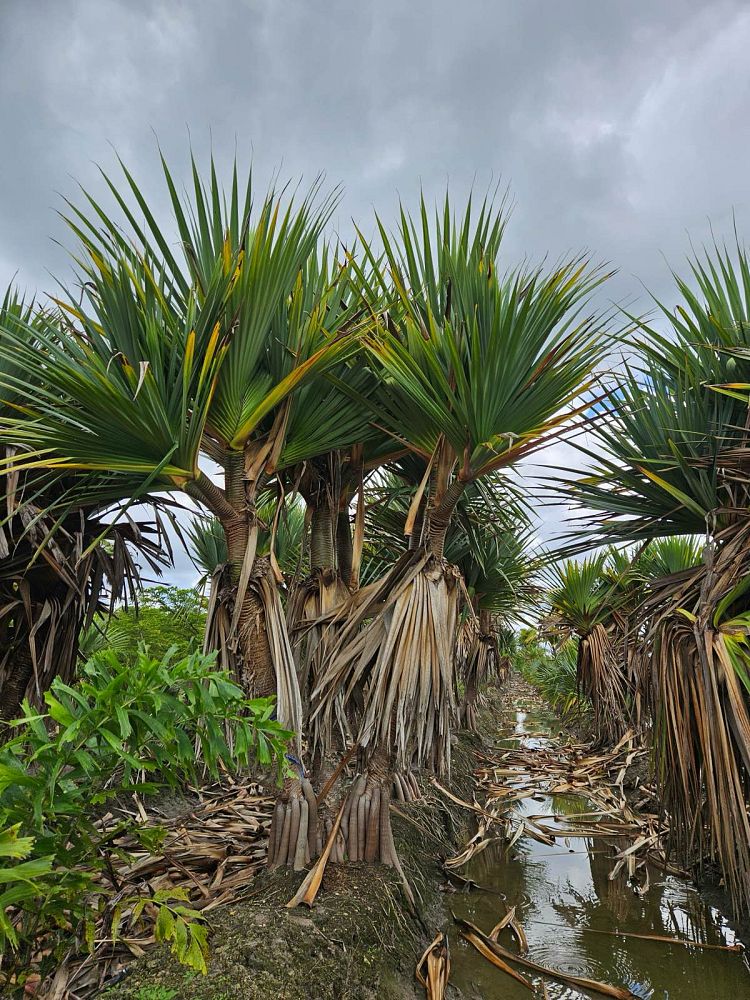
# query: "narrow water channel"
[[563, 894]]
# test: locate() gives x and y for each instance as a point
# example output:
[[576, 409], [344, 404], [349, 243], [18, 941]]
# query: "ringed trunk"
[[19, 672]]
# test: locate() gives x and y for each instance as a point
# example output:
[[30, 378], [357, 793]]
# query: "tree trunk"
[[259, 676], [439, 518], [485, 622], [255, 670], [294, 826], [321, 538], [19, 671], [344, 552]]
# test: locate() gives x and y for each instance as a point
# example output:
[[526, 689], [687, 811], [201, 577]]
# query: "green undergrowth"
[[553, 673], [124, 727]]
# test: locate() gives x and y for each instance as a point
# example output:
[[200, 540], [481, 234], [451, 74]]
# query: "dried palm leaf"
[[434, 968]]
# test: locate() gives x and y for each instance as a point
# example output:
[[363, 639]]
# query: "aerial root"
[[387, 848], [405, 787], [274, 837], [281, 854], [366, 828], [364, 831], [298, 832], [291, 833], [363, 812], [470, 717], [373, 828], [313, 834], [352, 841], [301, 851]]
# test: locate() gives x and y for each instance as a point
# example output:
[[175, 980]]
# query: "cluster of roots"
[[366, 823], [471, 716], [298, 833], [405, 787], [294, 838]]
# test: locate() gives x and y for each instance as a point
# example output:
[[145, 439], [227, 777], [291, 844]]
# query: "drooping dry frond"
[[602, 680], [396, 655], [699, 665], [61, 564], [259, 621]]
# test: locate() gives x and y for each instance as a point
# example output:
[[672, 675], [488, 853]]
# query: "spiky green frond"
[[167, 358], [668, 451], [208, 546], [491, 362], [579, 595]]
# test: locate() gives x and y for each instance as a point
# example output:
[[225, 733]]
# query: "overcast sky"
[[620, 127]]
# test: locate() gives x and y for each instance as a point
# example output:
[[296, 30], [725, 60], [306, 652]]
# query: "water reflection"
[[563, 894]]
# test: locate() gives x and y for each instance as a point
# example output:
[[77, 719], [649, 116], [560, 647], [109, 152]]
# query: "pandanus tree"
[[599, 602], [631, 573], [498, 562], [477, 369], [331, 485], [66, 554], [169, 361], [583, 604], [172, 360], [671, 459]]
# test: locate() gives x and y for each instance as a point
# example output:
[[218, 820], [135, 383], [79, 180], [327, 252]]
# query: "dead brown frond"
[[434, 968], [700, 714], [212, 851], [401, 660], [602, 681], [58, 570]]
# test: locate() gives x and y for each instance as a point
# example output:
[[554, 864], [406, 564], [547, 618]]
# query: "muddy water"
[[563, 892]]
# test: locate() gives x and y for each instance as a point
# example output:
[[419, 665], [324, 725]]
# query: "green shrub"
[[165, 618], [553, 673], [124, 727], [22, 884]]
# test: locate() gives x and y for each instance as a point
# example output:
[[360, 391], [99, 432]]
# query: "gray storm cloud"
[[620, 127]]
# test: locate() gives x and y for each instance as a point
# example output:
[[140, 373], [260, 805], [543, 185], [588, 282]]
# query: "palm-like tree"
[[169, 360], [477, 369], [64, 555], [672, 460], [583, 603], [498, 561]]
